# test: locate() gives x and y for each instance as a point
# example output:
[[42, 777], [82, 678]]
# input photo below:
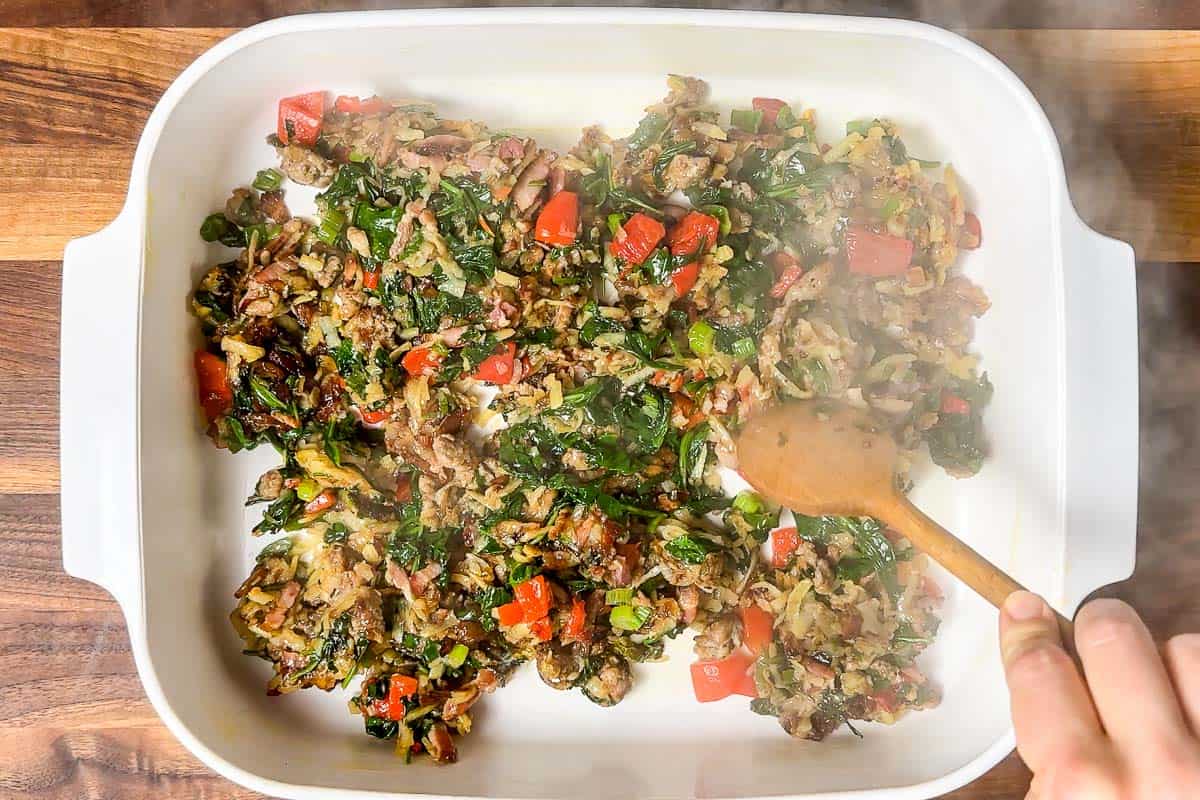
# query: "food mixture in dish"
[[503, 382]]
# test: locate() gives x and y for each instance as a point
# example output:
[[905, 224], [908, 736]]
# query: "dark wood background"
[[1120, 80]]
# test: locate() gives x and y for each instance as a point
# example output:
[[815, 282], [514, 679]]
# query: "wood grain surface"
[[74, 721], [1125, 105]]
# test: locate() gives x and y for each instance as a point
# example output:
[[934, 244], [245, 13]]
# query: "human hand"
[[1131, 731]]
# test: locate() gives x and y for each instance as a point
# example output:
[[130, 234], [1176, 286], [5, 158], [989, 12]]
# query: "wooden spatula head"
[[817, 458]]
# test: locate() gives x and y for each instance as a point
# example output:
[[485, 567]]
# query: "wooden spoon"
[[820, 459]]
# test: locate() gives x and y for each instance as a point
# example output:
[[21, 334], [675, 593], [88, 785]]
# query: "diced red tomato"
[[577, 621], [212, 381], [321, 502], [974, 231], [758, 628], [877, 254], [691, 232], [684, 278], [497, 368], [510, 614], [421, 361], [404, 489], [746, 686], [374, 417], [558, 220], [641, 233], [371, 279], [784, 542], [533, 596], [953, 404], [715, 680], [348, 104], [392, 705], [399, 687], [303, 114], [786, 280], [770, 108], [542, 629]]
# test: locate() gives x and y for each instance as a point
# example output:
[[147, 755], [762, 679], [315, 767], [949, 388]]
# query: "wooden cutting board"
[[74, 721]]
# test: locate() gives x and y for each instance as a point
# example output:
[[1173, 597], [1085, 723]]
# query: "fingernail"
[[1024, 606]]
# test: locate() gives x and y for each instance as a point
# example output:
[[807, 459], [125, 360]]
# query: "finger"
[[1052, 712], [1127, 679], [1183, 663]]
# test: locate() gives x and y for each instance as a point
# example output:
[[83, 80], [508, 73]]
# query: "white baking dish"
[[152, 512]]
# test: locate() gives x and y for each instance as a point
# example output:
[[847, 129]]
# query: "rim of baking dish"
[[136, 203]]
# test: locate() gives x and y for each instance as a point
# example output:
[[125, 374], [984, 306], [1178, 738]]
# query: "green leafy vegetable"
[[873, 553], [351, 365], [597, 324], [380, 226], [666, 157], [956, 442], [689, 549], [649, 130], [746, 119], [693, 456], [281, 513], [336, 534], [279, 548], [263, 394], [658, 266], [489, 598]]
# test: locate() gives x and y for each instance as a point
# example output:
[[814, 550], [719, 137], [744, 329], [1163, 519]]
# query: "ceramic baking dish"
[[153, 513]]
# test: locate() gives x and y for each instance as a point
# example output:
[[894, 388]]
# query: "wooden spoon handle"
[[991, 582]]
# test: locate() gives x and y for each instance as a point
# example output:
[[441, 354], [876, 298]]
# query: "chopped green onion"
[[266, 231], [358, 157], [307, 489], [614, 223], [927, 164], [331, 226], [617, 597], [629, 618], [745, 119], [263, 394], [701, 337], [268, 180], [457, 656], [722, 215], [214, 227], [748, 502], [744, 348]]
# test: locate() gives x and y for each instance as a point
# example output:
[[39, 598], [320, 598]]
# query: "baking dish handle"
[[1101, 410], [98, 409]]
